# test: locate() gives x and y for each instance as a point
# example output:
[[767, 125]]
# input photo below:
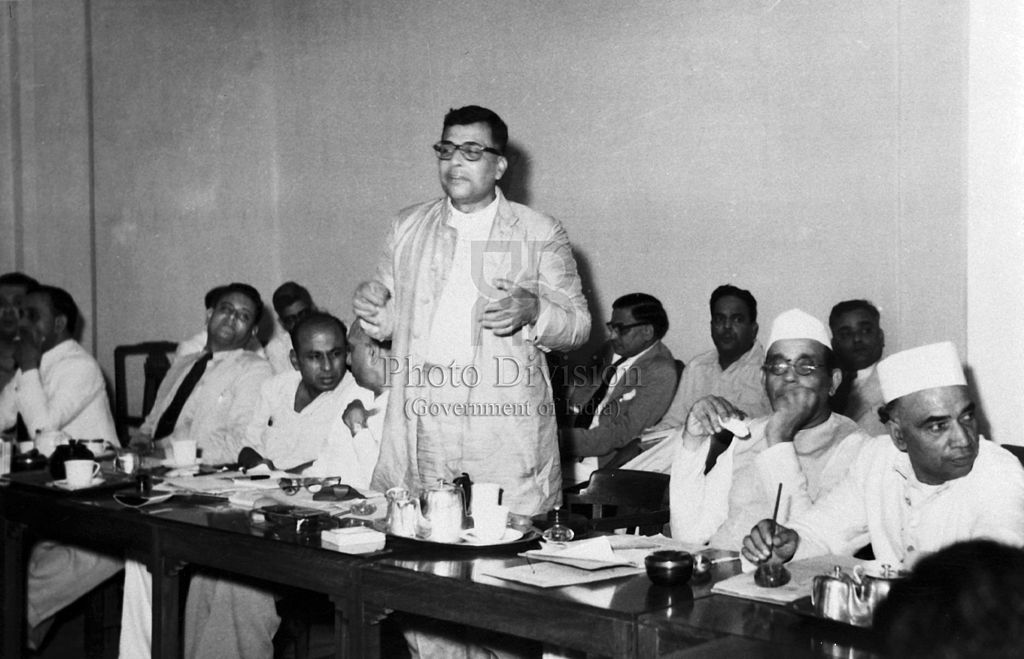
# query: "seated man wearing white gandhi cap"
[[928, 484], [716, 495]]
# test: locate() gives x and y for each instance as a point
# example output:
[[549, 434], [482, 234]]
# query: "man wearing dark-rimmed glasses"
[[472, 290], [631, 390], [801, 443]]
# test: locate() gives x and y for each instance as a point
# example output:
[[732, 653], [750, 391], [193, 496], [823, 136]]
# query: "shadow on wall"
[[515, 184], [979, 405]]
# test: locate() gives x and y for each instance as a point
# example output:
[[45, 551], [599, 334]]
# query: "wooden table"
[[599, 618], [216, 537], [724, 626], [98, 525], [621, 617]]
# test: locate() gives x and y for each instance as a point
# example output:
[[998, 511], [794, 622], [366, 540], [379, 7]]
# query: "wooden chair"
[[154, 368], [623, 498]]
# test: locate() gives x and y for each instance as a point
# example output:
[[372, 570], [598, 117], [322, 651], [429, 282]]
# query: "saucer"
[[133, 500], [64, 485], [511, 535]]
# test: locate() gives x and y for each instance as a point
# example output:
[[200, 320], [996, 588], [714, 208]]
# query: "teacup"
[[98, 447], [81, 472], [489, 523], [484, 495], [183, 452]]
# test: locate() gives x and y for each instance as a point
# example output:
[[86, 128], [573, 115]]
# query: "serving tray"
[[513, 545], [41, 480]]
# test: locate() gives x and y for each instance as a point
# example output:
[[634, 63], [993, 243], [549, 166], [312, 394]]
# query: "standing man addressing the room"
[[472, 289]]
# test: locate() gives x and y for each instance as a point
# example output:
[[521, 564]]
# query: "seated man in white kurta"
[[931, 482], [297, 408], [353, 441], [235, 618], [715, 499], [58, 386]]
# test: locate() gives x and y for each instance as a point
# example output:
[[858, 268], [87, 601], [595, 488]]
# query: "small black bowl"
[[669, 567]]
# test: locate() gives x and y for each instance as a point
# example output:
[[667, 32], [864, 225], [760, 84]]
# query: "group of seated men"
[[317, 411], [869, 451]]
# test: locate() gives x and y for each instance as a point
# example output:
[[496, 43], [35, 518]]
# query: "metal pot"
[[403, 517], [444, 512], [852, 598]]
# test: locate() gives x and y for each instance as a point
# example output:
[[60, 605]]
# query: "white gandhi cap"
[[797, 324], [927, 367]]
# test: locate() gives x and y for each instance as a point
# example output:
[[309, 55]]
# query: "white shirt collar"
[[486, 214]]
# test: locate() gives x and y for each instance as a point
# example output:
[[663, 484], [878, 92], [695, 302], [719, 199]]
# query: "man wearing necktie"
[[630, 393], [211, 395]]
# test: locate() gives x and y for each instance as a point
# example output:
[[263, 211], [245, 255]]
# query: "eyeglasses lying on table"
[[329, 488]]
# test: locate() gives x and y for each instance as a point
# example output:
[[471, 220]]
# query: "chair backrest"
[[638, 498], [1016, 450], [154, 368]]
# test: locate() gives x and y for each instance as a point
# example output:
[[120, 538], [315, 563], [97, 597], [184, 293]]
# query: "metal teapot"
[[403, 517], [444, 511], [852, 598]]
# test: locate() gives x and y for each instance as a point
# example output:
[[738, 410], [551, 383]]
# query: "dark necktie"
[[841, 399], [165, 426], [21, 430], [718, 444], [586, 415]]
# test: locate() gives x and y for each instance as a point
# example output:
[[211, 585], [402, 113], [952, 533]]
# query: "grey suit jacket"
[[636, 402]]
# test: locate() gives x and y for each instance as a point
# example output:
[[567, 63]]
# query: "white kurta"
[[289, 438], [903, 517], [67, 392], [721, 506]]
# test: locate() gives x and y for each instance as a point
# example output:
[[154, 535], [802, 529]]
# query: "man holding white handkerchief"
[[716, 496]]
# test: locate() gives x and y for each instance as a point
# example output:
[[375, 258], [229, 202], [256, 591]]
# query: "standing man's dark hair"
[[728, 290], [472, 114], [17, 279]]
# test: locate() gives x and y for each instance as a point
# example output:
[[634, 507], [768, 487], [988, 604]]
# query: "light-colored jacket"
[[221, 406], [508, 432]]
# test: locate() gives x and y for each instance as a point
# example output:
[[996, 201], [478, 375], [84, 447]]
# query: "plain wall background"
[[809, 151]]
